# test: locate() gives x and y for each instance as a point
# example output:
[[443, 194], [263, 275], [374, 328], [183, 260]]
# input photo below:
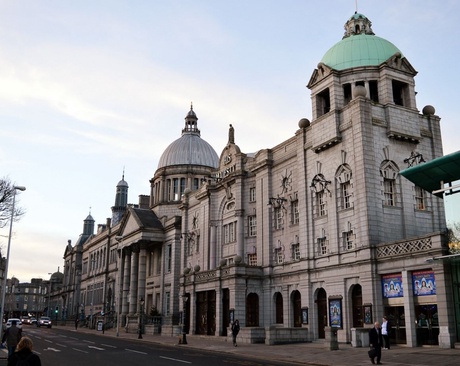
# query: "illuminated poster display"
[[424, 283], [335, 313], [392, 285]]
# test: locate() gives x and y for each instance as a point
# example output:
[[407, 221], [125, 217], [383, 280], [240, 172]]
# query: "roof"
[[359, 50], [433, 175], [359, 46], [189, 149]]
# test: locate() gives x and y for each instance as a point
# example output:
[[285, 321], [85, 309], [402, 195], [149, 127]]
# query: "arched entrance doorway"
[[357, 306], [297, 308], [279, 308], [321, 304], [252, 310]]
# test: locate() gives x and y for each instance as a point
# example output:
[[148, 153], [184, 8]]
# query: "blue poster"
[[335, 313], [392, 285], [424, 283]]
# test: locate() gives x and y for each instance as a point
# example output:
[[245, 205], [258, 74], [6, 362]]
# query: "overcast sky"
[[91, 88]]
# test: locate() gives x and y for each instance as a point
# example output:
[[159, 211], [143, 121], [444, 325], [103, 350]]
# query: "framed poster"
[[335, 313], [424, 283], [392, 285], [368, 314], [304, 315]]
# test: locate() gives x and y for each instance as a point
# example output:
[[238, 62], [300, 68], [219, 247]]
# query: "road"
[[59, 346]]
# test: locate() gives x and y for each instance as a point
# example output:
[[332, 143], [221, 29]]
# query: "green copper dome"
[[359, 47]]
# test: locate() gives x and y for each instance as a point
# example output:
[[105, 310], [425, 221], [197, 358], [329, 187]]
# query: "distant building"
[[317, 232]]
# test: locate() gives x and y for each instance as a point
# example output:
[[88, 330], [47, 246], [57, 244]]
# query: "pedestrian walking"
[[235, 330], [12, 336], [386, 328], [24, 355], [375, 342], [76, 322]]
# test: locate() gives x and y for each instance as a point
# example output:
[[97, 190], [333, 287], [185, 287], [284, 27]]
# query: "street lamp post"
[[5, 273], [184, 312], [92, 292], [140, 317], [119, 240]]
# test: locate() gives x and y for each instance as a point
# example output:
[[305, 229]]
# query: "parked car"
[[44, 321], [18, 322]]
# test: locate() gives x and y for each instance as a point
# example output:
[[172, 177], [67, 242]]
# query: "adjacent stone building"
[[317, 233]]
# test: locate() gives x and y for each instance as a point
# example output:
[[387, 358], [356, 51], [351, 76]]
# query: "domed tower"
[[121, 201], [186, 163], [364, 128]]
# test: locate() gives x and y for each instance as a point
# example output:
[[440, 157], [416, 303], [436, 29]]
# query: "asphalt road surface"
[[65, 347]]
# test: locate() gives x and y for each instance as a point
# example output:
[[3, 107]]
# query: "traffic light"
[[56, 310]]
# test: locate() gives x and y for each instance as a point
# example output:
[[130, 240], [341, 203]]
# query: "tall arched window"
[[279, 308]]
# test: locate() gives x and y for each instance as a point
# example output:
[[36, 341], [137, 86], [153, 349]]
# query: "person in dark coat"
[[24, 352], [376, 341], [235, 330], [12, 336]]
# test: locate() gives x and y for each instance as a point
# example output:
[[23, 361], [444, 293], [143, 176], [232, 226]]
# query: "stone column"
[[134, 279], [409, 310], [240, 233], [142, 270], [212, 246], [126, 276]]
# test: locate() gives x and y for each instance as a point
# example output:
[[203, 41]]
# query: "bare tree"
[[7, 192]]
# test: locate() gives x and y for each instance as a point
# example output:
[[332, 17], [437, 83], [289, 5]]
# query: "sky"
[[92, 89]]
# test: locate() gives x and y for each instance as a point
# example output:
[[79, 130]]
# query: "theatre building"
[[319, 232]]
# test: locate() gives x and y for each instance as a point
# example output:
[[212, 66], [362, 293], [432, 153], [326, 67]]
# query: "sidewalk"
[[297, 354], [305, 353]]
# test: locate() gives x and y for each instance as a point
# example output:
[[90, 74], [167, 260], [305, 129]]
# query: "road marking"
[[84, 340], [94, 347], [61, 345], [52, 349], [108, 345], [47, 340], [79, 350], [174, 359], [132, 350]]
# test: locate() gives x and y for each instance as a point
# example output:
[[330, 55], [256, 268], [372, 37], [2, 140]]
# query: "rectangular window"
[[168, 258], [374, 91], [348, 240], [389, 192], [295, 212], [322, 246], [278, 218], [420, 198], [321, 203], [196, 184], [252, 194], [296, 251], [176, 189], [252, 225], [229, 232], [346, 194], [279, 256], [252, 259], [158, 266], [167, 303]]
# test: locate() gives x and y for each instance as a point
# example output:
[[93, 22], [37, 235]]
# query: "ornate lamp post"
[[141, 312]]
